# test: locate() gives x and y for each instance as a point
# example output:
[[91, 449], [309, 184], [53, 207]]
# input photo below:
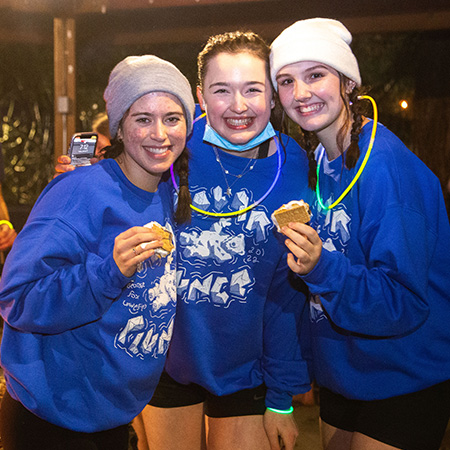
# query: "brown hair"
[[232, 42], [183, 213]]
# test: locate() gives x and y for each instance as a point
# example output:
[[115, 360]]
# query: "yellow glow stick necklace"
[[363, 165], [248, 208], [7, 222]]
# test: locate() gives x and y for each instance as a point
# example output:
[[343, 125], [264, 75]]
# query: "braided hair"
[[183, 212]]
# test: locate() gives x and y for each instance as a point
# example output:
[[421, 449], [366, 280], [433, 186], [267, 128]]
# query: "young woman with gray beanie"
[[233, 280], [87, 296], [375, 255]]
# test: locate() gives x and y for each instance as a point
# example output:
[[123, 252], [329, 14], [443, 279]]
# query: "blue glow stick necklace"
[[243, 210]]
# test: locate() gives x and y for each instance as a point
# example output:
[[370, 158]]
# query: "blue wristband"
[[282, 411]]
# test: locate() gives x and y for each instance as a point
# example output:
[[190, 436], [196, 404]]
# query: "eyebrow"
[[223, 83], [170, 113], [309, 69]]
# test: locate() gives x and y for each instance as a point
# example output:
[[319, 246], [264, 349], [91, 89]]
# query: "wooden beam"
[[377, 24], [89, 6], [64, 73]]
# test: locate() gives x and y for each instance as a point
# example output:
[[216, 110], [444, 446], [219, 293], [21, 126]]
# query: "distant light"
[[404, 104]]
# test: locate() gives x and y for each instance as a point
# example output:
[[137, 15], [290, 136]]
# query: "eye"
[[285, 81], [316, 75], [142, 119], [174, 120], [220, 91]]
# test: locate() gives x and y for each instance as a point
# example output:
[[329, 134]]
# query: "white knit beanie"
[[323, 40], [136, 76]]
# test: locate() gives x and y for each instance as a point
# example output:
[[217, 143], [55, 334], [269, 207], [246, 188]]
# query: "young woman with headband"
[[375, 256], [89, 308]]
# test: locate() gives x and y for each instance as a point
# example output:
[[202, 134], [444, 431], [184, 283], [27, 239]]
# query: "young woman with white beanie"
[[375, 256]]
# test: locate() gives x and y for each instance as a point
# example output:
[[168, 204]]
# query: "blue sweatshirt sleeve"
[[51, 282], [381, 289], [284, 367]]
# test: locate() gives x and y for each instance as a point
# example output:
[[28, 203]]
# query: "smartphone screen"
[[82, 148]]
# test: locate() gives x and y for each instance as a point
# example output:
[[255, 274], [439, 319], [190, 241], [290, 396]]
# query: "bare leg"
[[242, 432], [173, 428], [361, 441], [138, 425], [333, 438], [336, 439]]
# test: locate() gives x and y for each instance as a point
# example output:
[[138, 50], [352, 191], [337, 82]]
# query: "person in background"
[[7, 232], [100, 125], [87, 297], [375, 256]]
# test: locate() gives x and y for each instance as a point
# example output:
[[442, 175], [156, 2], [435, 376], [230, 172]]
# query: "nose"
[[239, 104], [301, 91], [158, 131]]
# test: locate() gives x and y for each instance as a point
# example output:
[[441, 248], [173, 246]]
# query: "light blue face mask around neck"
[[212, 137]]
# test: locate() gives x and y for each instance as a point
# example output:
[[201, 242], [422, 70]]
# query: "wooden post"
[[64, 82]]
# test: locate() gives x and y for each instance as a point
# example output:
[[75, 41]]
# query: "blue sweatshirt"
[[381, 310], [83, 345], [238, 315]]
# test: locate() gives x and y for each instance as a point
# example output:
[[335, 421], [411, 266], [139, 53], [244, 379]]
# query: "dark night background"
[[398, 65]]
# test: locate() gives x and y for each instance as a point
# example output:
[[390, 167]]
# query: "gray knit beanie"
[[136, 76], [322, 40]]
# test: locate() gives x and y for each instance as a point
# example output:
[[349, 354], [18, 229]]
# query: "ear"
[[201, 101], [119, 134], [272, 103], [350, 86]]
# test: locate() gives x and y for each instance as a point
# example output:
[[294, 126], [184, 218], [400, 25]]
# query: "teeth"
[[239, 122], [310, 108], [156, 150]]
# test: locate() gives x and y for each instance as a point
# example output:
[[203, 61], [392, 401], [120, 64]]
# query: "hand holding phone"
[[82, 148]]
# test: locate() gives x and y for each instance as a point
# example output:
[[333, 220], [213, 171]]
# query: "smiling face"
[[310, 93], [237, 96], [153, 132]]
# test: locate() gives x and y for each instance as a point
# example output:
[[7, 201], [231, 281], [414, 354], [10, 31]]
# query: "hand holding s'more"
[[164, 235], [294, 211]]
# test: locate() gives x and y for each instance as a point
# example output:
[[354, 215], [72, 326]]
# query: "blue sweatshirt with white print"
[[380, 309], [238, 312], [83, 345]]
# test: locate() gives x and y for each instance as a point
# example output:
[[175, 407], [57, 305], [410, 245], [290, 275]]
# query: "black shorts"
[[414, 421], [22, 430], [171, 394]]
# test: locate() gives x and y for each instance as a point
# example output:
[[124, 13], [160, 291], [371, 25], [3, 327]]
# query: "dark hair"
[[232, 42], [183, 213], [354, 110]]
